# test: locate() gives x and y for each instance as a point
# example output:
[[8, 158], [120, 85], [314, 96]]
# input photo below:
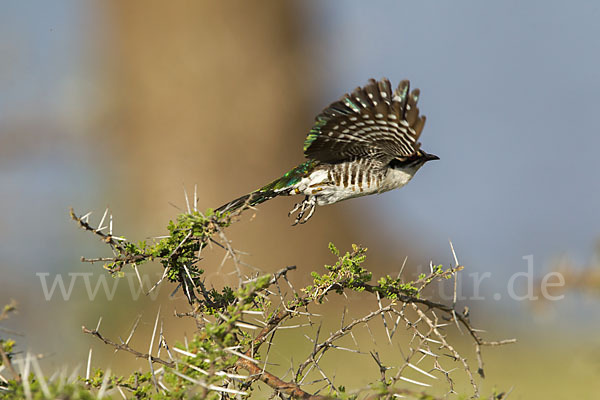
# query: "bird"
[[365, 143]]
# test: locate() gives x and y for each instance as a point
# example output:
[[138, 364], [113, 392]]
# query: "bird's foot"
[[307, 205]]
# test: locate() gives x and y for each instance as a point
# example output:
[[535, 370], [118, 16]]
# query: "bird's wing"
[[369, 122]]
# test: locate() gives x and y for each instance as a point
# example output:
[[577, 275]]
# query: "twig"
[[125, 347], [6, 361]]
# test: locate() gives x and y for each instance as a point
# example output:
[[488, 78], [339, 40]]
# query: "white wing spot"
[[411, 136], [365, 116], [379, 115], [361, 103], [383, 94], [370, 95], [353, 118], [345, 131], [336, 127], [391, 116]]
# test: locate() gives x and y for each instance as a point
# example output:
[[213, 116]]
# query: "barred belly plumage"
[[331, 183]]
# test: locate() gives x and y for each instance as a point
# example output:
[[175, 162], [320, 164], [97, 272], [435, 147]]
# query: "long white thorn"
[[402, 268], [26, 369], [121, 392], [135, 325], [453, 253], [187, 200], [415, 382], [196, 197], [150, 350], [421, 371], [102, 220], [185, 353], [137, 273], [154, 332], [89, 365]]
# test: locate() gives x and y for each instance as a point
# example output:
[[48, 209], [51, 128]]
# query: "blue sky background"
[[45, 101]]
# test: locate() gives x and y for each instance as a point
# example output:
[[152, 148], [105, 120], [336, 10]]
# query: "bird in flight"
[[365, 143]]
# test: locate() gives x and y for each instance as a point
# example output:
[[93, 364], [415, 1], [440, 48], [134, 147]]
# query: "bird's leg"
[[308, 204], [296, 208], [302, 207], [312, 204]]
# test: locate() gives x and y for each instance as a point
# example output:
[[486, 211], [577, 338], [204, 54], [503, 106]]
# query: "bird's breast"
[[394, 179]]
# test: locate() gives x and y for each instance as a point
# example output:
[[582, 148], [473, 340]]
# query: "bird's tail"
[[279, 187], [249, 200]]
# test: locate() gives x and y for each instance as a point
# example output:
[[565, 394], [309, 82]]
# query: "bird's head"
[[413, 162]]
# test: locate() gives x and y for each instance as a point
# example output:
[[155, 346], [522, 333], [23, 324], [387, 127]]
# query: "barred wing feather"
[[369, 122]]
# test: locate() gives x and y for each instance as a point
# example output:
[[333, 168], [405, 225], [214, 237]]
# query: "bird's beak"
[[430, 157]]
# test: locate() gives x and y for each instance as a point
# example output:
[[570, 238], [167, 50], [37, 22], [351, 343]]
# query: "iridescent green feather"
[[291, 177], [273, 189], [314, 132], [350, 104], [322, 119]]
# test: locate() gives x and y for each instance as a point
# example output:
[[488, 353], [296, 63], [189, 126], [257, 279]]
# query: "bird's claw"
[[308, 204], [296, 208]]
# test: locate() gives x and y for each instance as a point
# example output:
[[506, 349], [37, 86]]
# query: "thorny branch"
[[125, 347], [6, 361], [254, 295]]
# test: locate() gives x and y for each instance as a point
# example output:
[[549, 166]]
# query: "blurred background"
[[123, 104]]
